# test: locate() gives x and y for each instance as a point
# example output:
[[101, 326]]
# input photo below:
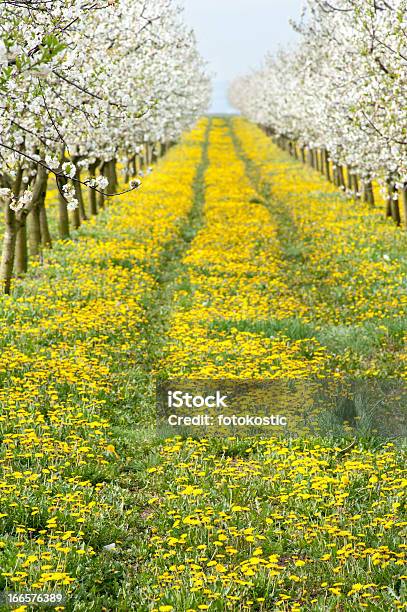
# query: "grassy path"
[[76, 396], [344, 262], [224, 267], [234, 281], [266, 525]]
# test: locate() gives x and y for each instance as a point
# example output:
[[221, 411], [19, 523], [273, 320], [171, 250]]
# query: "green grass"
[[265, 477]]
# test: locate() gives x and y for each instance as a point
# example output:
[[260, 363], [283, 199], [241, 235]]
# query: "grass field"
[[233, 261]]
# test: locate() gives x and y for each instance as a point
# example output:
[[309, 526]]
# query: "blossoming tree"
[[84, 84], [340, 95]]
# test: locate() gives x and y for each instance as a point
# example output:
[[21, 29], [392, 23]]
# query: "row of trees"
[[338, 99], [85, 84]]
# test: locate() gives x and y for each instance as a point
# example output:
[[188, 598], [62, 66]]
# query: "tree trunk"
[[390, 189], [36, 239], [355, 186], [46, 239], [114, 174], [154, 152], [341, 177], [9, 245], [147, 154], [311, 158], [395, 208], [404, 200], [79, 197], [21, 252], [34, 233], [368, 193], [92, 193], [63, 216], [128, 171], [110, 173], [327, 167], [101, 197], [318, 160], [76, 218], [9, 238], [133, 166], [93, 202], [349, 177], [322, 163]]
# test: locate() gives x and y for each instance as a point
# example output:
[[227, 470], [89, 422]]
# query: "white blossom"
[[343, 88], [72, 204], [52, 162], [24, 200], [95, 81], [3, 54], [69, 169], [102, 182], [15, 204], [5, 192]]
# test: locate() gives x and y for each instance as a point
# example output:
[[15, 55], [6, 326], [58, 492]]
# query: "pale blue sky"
[[234, 35]]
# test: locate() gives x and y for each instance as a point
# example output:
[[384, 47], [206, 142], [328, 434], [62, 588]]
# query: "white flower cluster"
[[342, 89], [18, 204], [135, 184], [69, 170], [85, 81], [70, 196], [99, 182]]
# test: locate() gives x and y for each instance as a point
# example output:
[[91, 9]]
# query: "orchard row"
[[338, 98], [84, 85]]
